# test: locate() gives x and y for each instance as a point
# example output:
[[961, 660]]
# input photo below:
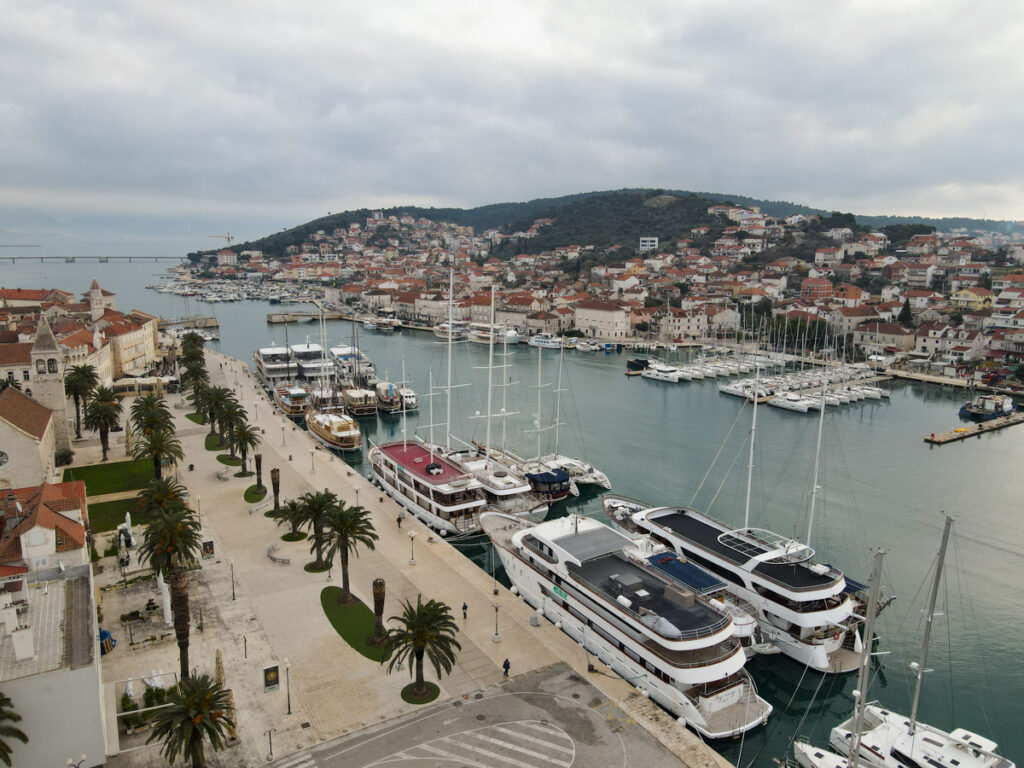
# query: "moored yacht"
[[389, 398], [273, 366], [359, 401], [430, 486], [600, 588], [482, 333], [410, 400], [546, 341], [791, 401], [456, 330], [804, 608], [310, 362], [504, 487], [292, 399], [334, 429]]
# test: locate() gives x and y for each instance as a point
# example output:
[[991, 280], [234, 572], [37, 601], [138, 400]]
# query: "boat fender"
[[836, 635]]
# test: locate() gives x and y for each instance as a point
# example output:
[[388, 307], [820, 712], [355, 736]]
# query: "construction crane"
[[228, 237]]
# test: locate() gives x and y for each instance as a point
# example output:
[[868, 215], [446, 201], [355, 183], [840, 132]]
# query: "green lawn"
[[113, 477], [107, 515], [231, 461], [214, 443], [410, 698], [254, 493], [197, 418], [353, 622]]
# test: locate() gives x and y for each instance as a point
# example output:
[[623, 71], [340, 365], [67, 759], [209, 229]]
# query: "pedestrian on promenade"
[[465, 610], [505, 665], [399, 521]]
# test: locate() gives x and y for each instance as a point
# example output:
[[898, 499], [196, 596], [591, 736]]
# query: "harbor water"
[[880, 486]]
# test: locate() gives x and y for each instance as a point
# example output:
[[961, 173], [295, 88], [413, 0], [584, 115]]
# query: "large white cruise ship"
[[806, 609], [603, 590], [310, 361], [274, 366]]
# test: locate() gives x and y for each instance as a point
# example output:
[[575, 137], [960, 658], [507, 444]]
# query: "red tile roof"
[[15, 354], [24, 413]]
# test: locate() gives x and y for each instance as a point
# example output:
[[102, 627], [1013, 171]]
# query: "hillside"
[[600, 218]]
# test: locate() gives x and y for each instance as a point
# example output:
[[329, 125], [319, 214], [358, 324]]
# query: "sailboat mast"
[[405, 442], [558, 394], [430, 412], [865, 662], [540, 357], [448, 392], [817, 457], [753, 431], [928, 626], [504, 384], [490, 374]]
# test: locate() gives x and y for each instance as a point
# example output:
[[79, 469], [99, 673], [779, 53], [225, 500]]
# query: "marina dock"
[[276, 318], [189, 322], [975, 430]]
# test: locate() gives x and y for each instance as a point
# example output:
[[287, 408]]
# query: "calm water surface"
[[881, 486]]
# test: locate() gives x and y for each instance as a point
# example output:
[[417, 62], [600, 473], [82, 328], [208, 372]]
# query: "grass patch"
[[270, 513], [297, 536], [112, 478], [215, 443], [354, 622], [410, 698], [254, 493], [107, 515], [231, 461], [195, 418], [244, 473], [311, 568]]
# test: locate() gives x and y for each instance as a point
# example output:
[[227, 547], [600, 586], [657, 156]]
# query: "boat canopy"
[[766, 546], [694, 577]]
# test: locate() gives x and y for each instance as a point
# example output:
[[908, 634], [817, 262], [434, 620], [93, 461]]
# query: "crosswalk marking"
[[297, 761], [542, 742], [492, 755], [517, 748]]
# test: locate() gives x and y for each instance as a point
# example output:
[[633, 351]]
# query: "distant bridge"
[[72, 259]]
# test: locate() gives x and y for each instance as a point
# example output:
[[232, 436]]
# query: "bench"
[[224, 474], [274, 558], [261, 507]]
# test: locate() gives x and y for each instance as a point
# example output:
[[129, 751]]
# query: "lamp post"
[[497, 637], [231, 562], [357, 497], [77, 763], [288, 683], [270, 735], [412, 547], [199, 510], [282, 435], [312, 464]]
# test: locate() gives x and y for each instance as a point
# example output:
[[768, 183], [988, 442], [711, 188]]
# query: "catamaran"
[[603, 590]]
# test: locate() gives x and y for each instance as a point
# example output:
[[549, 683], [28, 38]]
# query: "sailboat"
[[880, 738], [325, 419]]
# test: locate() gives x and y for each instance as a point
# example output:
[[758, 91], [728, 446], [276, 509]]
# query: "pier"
[[975, 430], [276, 318], [189, 322]]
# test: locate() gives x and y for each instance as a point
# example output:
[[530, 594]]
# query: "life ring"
[[836, 635]]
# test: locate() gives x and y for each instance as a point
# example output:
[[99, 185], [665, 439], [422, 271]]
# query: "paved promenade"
[[334, 690]]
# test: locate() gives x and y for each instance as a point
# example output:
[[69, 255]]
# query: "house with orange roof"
[[43, 524], [28, 440]]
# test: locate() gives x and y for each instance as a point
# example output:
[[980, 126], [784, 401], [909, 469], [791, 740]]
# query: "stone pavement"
[[277, 607]]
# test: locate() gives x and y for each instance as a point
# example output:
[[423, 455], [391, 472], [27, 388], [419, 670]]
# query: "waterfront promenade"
[[333, 689]]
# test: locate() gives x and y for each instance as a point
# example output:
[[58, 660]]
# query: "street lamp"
[[270, 735], [199, 510], [312, 464], [288, 683], [78, 763], [282, 435], [412, 547], [231, 562], [497, 637]]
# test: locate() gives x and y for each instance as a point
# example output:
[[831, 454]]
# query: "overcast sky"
[[161, 120]]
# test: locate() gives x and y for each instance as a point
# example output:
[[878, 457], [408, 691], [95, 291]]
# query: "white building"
[[602, 319], [648, 244]]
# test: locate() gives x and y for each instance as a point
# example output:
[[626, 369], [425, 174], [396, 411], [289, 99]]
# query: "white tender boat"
[[791, 401], [546, 341]]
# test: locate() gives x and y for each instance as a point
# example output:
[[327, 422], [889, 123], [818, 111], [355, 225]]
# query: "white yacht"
[[351, 363], [505, 488], [791, 401], [481, 333], [310, 362], [430, 486], [546, 341], [456, 330], [804, 608], [273, 366], [410, 400], [661, 372], [600, 588]]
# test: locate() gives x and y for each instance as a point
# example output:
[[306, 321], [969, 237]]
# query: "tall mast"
[[920, 670], [448, 393], [490, 372], [860, 695], [753, 431], [405, 443], [558, 394], [430, 412], [540, 357], [504, 383], [817, 456]]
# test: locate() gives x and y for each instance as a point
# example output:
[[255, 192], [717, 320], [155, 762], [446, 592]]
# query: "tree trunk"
[[258, 458], [420, 687], [179, 606], [243, 459], [156, 466], [275, 481], [78, 417], [346, 597], [379, 591], [213, 423], [104, 433], [318, 535]]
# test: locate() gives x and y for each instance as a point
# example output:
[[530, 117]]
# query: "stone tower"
[[48, 380], [95, 301]]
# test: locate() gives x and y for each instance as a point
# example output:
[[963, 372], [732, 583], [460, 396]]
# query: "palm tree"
[[245, 437], [7, 732], [347, 528], [217, 399], [425, 630], [5, 383], [102, 414], [194, 377], [232, 416], [163, 494], [293, 513], [79, 381], [161, 446], [197, 713], [170, 542], [150, 414], [317, 507], [192, 341], [199, 397]]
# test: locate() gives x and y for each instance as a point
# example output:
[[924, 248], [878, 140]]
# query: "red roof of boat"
[[415, 457]]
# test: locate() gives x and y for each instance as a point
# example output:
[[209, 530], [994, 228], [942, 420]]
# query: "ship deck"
[[695, 530], [415, 458]]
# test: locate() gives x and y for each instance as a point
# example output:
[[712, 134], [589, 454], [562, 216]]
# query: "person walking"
[[465, 611], [505, 665], [399, 521]]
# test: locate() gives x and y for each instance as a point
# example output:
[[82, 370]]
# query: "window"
[[24, 375], [51, 365], [10, 375], [40, 366]]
